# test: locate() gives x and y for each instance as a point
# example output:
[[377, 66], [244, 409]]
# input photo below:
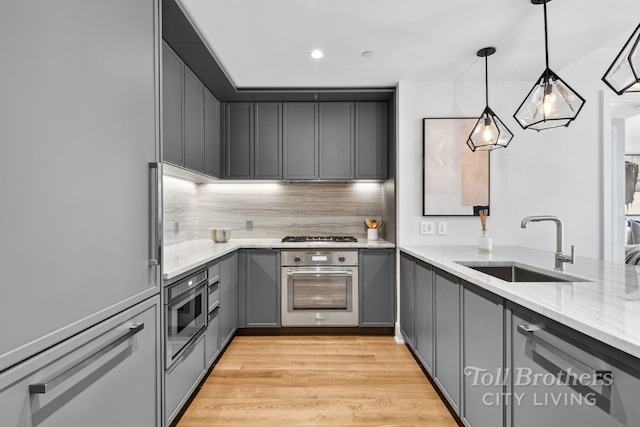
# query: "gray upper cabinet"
[[300, 140], [372, 140], [193, 122], [172, 83], [337, 140], [447, 339], [262, 282], [268, 140], [212, 166], [239, 140], [377, 304]]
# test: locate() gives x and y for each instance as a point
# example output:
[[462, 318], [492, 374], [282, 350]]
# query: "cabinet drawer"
[[183, 377], [212, 343], [80, 381]]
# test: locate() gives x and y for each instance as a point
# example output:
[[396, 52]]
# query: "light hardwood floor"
[[316, 380]]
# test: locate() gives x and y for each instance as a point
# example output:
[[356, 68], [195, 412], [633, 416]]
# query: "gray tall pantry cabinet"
[[79, 315]]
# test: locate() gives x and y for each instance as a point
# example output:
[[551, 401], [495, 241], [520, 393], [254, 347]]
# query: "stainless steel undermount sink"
[[516, 272]]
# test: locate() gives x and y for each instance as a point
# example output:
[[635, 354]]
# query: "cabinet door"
[[239, 140], [212, 338], [228, 297], [377, 288], [336, 137], [116, 379], [193, 122], [183, 378], [262, 288], [407, 299], [172, 83], [372, 140], [268, 140], [483, 351], [211, 135], [447, 348], [424, 319], [300, 140]]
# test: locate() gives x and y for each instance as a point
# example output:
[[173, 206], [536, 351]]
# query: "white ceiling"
[[267, 43]]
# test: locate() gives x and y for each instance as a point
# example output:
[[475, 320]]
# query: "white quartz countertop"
[[606, 306], [185, 256]]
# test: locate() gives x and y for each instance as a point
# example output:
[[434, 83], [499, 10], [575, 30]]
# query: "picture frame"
[[456, 180]]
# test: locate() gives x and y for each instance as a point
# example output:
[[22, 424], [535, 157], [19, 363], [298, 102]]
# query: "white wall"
[[555, 172]]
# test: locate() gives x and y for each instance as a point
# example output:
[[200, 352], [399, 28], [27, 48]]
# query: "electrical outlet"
[[426, 227], [176, 227], [248, 225], [442, 227]]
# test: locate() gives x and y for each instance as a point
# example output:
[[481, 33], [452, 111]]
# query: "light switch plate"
[[442, 227]]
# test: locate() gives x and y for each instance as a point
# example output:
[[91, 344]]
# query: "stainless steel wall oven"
[[185, 313], [319, 287]]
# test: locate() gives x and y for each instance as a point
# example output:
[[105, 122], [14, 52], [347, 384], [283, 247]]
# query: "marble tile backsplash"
[[276, 208]]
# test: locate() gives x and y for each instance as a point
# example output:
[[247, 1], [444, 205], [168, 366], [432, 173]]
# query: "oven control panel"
[[312, 257]]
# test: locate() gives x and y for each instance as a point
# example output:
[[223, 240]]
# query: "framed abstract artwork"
[[455, 179]]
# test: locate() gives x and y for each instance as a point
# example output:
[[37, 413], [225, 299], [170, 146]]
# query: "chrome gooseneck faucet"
[[560, 257]]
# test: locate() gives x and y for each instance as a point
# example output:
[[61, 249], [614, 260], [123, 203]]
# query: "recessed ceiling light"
[[368, 53], [317, 54]]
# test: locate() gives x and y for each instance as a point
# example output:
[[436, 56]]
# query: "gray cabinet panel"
[[122, 381], [336, 136], [184, 376], [212, 338], [407, 299], [193, 122], [212, 132], [262, 284], [424, 317], [228, 297], [447, 348], [300, 140], [239, 140], [556, 399], [372, 140], [377, 287], [172, 83], [483, 351], [268, 140]]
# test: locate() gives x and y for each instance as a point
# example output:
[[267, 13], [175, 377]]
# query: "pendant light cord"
[[486, 79], [546, 38]]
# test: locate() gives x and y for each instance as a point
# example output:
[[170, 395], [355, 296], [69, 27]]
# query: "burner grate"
[[331, 239]]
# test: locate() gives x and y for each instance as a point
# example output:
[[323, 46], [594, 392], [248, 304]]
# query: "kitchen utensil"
[[368, 222]]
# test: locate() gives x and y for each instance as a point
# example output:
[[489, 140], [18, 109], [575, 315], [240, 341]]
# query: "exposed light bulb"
[[317, 54], [487, 130], [549, 100]]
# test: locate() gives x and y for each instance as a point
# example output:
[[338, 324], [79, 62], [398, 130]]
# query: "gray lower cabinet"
[[228, 297], [172, 89], [193, 122], [262, 288], [424, 314], [183, 378], [447, 337], [377, 302], [407, 299], [300, 140], [212, 338], [561, 377], [212, 132], [372, 140], [482, 357], [115, 377], [239, 140], [336, 140], [268, 140]]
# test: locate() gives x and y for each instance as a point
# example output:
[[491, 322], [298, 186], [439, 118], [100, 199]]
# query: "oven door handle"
[[188, 294], [319, 272]]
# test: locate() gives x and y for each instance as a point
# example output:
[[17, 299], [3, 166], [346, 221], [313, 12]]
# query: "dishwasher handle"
[[605, 376]]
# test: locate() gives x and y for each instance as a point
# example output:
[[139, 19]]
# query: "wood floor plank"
[[316, 380]]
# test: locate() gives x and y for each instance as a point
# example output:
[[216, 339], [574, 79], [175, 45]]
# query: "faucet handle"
[[573, 255]]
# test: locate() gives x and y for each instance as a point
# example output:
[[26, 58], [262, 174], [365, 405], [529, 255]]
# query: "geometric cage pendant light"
[[624, 73], [489, 132], [551, 103]]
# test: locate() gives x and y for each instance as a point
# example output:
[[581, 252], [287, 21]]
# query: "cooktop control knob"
[[297, 258], [341, 258]]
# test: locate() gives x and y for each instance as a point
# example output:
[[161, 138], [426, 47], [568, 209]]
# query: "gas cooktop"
[[330, 239]]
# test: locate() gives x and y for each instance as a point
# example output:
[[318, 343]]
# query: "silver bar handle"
[[323, 272], [54, 380], [214, 280], [156, 214], [598, 374]]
